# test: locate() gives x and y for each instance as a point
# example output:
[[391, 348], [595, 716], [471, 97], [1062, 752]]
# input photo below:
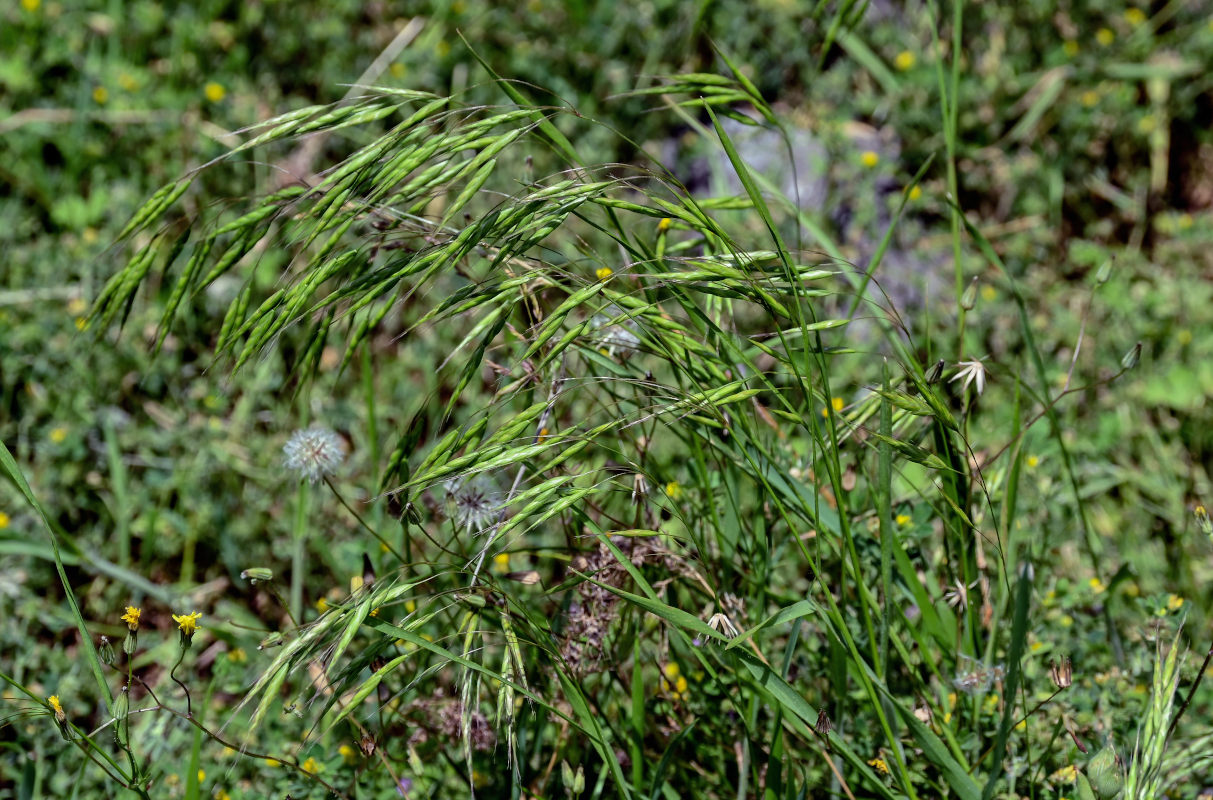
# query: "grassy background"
[[1079, 137]]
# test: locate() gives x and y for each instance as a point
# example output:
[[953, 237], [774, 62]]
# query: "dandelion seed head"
[[473, 502], [314, 453]]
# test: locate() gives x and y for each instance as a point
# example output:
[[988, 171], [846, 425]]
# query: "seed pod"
[[1131, 358], [255, 575], [1105, 774], [969, 298]]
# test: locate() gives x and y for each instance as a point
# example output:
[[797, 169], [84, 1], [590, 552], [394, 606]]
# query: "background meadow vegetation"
[[772, 399]]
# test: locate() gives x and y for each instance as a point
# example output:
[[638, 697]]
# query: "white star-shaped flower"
[[972, 372]]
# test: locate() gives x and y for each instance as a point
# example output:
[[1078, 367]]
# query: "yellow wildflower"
[[214, 92], [397, 69], [664, 225], [501, 562], [916, 192], [31, 5], [221, 794], [988, 293], [348, 754], [128, 82], [201, 776], [1064, 775], [880, 765], [237, 656], [1066, 620], [322, 605], [673, 490], [680, 685], [1097, 586], [4, 520], [101, 95], [58, 435], [902, 519], [1089, 98], [869, 158], [1175, 602], [187, 623], [672, 670], [131, 617], [1105, 36], [602, 273], [836, 403], [1033, 461], [410, 606], [81, 323], [273, 762], [76, 305], [60, 716], [904, 60], [1134, 16], [312, 765]]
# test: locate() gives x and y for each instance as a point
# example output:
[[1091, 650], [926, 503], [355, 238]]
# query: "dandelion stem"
[[299, 552]]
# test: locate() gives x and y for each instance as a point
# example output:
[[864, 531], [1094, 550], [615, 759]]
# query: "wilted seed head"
[[1062, 674], [969, 298], [473, 502], [1131, 358], [314, 452]]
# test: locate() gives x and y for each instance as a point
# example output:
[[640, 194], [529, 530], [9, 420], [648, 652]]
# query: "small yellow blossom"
[[131, 617], [31, 5], [214, 92], [1184, 337], [322, 605], [128, 82], [501, 562], [1105, 36], [1064, 775], [1036, 647], [58, 435], [1134, 16], [664, 225], [398, 70], [187, 623], [602, 273], [101, 95], [1175, 602], [4, 520], [1089, 98], [201, 776], [869, 158], [902, 519], [904, 60], [237, 656], [273, 762], [1097, 586], [312, 765], [680, 685], [221, 794], [1066, 620], [673, 490], [1033, 462], [76, 306], [53, 700], [988, 293], [880, 765], [410, 606], [348, 754], [374, 612], [916, 192], [1131, 589], [836, 403], [672, 670], [1022, 725], [81, 323], [1070, 47]]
